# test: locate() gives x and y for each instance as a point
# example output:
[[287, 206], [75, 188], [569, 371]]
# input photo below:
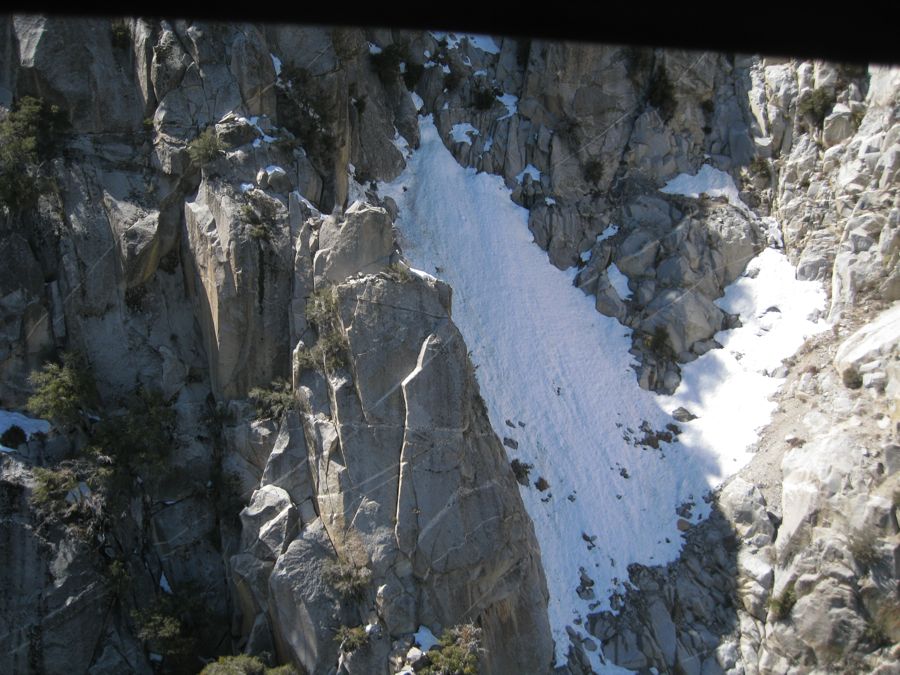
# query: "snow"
[[374, 49], [709, 181], [305, 201], [529, 170], [483, 42], [417, 100], [728, 389], [460, 132], [488, 144], [425, 638], [618, 281], [547, 358], [511, 102], [246, 187], [401, 144], [276, 62], [275, 169], [610, 231], [549, 201], [445, 69], [29, 425], [164, 584]]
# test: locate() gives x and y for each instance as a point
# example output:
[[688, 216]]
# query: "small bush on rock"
[[781, 605], [816, 105], [387, 62], [330, 350], [413, 74], [348, 579], [483, 98], [29, 135], [206, 147], [62, 392], [273, 402], [143, 434], [593, 171], [244, 664], [351, 639], [458, 652], [661, 95], [162, 627]]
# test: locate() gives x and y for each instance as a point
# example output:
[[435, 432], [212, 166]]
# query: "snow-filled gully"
[[557, 381]]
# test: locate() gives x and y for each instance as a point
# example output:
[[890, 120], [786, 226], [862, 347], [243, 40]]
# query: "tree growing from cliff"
[[63, 391], [29, 135]]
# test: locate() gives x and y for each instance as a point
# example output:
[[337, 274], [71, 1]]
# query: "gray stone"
[[362, 243]]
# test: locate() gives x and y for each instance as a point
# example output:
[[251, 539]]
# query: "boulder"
[[362, 243]]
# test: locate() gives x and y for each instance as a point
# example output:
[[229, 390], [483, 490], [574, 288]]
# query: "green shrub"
[[50, 489], [206, 147], [413, 74], [244, 664], [483, 98], [864, 548], [637, 60], [117, 578], [453, 80], [398, 272], [63, 391], [13, 437], [523, 50], [348, 579], [658, 342], [144, 433], [780, 606], [273, 402], [29, 135], [458, 652], [661, 95], [816, 105], [164, 628], [306, 112], [759, 167], [331, 347], [387, 62], [593, 171], [121, 36], [567, 129], [351, 639]]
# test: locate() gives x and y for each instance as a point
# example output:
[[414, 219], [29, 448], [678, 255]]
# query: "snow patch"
[[708, 181], [549, 201], [374, 49], [276, 63], [164, 584], [512, 105], [460, 132], [618, 281], [425, 638], [529, 170], [562, 369], [417, 100], [29, 425], [609, 232], [729, 388]]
